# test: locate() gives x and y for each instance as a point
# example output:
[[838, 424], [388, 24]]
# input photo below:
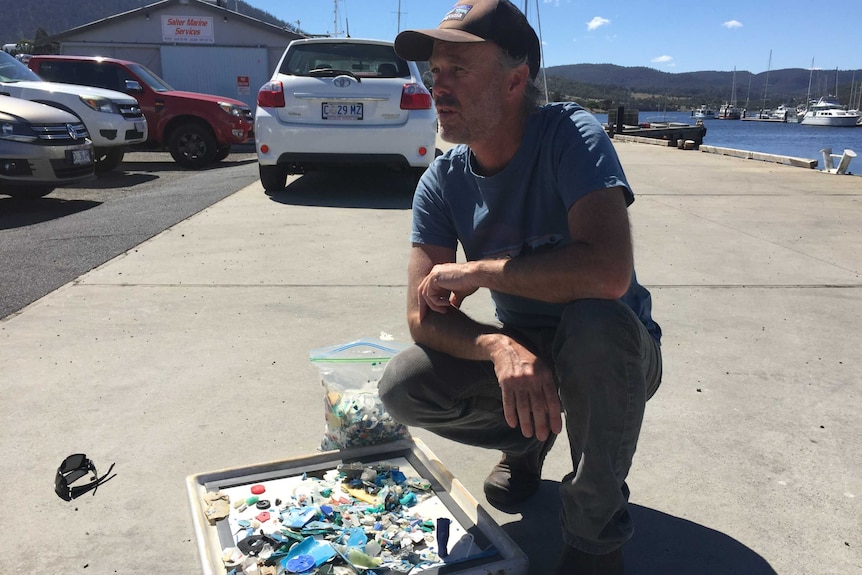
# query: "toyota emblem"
[[341, 82]]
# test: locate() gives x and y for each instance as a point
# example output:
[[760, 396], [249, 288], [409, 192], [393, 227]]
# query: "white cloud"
[[556, 3], [597, 22], [731, 24], [662, 59]]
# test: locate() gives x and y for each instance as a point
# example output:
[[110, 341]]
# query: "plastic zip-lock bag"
[[355, 416]]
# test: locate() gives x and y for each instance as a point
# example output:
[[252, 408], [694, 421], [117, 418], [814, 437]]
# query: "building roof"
[[208, 5]]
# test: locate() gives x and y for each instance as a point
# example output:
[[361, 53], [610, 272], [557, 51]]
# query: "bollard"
[[827, 159], [843, 161]]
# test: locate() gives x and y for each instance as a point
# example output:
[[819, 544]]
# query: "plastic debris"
[[217, 506], [354, 414], [358, 518]]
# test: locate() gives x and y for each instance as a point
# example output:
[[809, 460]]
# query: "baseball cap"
[[497, 21]]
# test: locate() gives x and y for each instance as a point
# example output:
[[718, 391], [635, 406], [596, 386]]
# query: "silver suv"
[[113, 119], [40, 148]]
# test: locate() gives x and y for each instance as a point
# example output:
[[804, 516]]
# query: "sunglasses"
[[73, 469]]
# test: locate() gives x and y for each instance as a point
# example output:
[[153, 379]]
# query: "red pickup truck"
[[197, 129]]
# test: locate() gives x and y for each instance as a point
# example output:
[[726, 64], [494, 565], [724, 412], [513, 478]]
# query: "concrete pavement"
[[189, 353]]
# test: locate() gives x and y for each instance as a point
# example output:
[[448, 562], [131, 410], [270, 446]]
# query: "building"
[[194, 45]]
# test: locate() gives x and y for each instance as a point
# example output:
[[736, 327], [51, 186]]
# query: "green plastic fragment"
[[252, 500]]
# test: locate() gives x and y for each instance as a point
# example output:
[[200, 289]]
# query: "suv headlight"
[[99, 104], [233, 109], [17, 132]]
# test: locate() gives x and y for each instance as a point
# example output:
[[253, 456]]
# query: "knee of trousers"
[[402, 383], [596, 329]]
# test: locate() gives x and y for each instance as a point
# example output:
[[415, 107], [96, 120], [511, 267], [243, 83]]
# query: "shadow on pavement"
[[662, 544], [17, 214], [376, 189]]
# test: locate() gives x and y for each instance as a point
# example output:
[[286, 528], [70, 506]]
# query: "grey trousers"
[[606, 366]]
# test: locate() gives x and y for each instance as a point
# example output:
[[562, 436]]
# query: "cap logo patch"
[[459, 12]]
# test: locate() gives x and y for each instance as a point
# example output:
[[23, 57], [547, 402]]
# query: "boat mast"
[[733, 89], [766, 85], [808, 96]]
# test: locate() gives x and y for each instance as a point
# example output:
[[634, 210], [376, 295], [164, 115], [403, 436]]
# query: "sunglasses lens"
[[73, 462]]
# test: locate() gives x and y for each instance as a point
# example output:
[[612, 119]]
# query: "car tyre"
[[273, 178], [193, 146], [107, 159], [222, 153]]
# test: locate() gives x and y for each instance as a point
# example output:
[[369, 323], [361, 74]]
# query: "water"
[[784, 139]]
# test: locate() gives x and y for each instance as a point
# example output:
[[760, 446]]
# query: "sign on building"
[[187, 29]]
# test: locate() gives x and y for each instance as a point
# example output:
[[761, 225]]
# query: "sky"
[[668, 35]]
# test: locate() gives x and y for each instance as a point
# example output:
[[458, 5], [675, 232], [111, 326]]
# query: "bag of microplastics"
[[355, 416]]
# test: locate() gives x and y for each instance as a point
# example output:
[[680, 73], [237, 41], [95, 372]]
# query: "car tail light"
[[271, 95], [415, 97]]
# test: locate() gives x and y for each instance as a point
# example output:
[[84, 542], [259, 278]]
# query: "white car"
[[340, 102], [113, 119]]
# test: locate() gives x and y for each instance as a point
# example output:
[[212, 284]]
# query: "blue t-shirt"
[[564, 155]]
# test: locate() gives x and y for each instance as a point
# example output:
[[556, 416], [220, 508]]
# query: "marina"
[[780, 138]]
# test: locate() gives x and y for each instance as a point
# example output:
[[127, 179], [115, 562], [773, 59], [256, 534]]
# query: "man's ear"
[[518, 78]]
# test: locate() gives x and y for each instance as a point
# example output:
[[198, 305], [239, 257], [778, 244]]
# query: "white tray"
[[460, 505]]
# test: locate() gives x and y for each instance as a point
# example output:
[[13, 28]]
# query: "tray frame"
[[509, 560]]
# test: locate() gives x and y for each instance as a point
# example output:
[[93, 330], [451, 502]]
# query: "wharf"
[[669, 132], [189, 353]]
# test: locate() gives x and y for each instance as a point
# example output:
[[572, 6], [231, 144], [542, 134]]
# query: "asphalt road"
[[49, 242]]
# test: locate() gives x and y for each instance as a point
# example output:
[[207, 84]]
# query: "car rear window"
[[362, 60]]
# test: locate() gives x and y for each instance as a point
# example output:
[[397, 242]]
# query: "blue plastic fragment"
[[300, 563]]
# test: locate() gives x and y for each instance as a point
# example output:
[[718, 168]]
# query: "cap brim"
[[417, 45]]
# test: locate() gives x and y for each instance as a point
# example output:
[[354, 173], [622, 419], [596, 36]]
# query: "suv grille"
[[130, 111], [60, 134]]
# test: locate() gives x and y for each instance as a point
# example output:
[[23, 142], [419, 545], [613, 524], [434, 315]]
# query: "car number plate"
[[81, 157], [342, 111]]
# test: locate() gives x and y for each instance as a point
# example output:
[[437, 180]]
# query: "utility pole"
[[399, 15]]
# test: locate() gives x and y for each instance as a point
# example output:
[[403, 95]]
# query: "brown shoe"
[[575, 562], [517, 477]]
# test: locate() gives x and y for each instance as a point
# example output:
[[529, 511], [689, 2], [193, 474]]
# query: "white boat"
[[828, 112], [703, 113], [783, 114]]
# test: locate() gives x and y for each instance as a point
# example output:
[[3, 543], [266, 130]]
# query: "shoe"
[[517, 477], [575, 562]]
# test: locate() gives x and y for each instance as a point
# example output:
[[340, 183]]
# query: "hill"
[[605, 85]]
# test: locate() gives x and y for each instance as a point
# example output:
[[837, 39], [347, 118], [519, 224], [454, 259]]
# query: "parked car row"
[[330, 102], [197, 129], [121, 105]]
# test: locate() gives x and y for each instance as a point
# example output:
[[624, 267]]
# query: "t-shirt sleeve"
[[432, 219], [586, 159]]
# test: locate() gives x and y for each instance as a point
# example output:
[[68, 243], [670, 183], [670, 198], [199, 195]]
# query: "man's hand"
[[446, 285], [529, 392]]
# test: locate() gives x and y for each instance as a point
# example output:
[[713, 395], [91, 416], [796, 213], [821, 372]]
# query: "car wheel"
[[273, 178], [29, 194], [107, 159], [192, 146], [222, 153]]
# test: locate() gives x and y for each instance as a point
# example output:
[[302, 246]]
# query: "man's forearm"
[[455, 333]]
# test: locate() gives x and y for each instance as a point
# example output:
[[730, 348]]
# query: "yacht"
[[703, 113], [828, 112]]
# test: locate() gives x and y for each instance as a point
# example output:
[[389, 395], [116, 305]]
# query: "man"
[[537, 199]]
